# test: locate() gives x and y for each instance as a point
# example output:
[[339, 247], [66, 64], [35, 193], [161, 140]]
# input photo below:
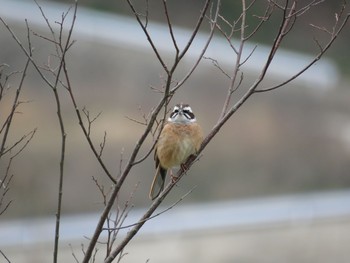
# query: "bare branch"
[[61, 50], [18, 142], [306, 8], [283, 30], [148, 153], [73, 254], [263, 19], [89, 119], [18, 146], [10, 117], [170, 28], [144, 218], [27, 53], [121, 179], [85, 130], [3, 254], [321, 29], [103, 144], [7, 178], [236, 68], [30, 136], [5, 187], [120, 217], [144, 28], [217, 65], [228, 36], [317, 57], [189, 73], [157, 214], [248, 57], [196, 29], [45, 18], [53, 41], [101, 189], [143, 123]]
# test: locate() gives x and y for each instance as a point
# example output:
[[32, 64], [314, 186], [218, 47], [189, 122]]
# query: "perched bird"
[[180, 137]]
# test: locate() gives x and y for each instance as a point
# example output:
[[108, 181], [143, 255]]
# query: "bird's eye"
[[189, 114], [174, 113]]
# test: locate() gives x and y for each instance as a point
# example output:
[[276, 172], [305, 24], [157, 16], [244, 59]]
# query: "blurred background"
[[273, 186]]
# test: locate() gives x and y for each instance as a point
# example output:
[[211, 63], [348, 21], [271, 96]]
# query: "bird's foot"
[[173, 177]]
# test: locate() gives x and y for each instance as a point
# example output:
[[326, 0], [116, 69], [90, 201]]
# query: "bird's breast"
[[176, 143]]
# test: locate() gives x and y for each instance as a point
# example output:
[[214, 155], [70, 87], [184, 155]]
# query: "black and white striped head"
[[182, 113]]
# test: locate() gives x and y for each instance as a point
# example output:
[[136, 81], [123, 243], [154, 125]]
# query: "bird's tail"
[[158, 182]]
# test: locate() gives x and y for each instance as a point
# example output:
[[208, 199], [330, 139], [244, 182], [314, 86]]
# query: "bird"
[[180, 137]]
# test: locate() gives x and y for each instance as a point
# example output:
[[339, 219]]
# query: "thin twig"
[[30, 136], [303, 10], [236, 68], [73, 254], [170, 28], [103, 144], [263, 19], [317, 57], [132, 232], [14, 145], [157, 214], [196, 29], [120, 218], [27, 53], [204, 49], [85, 130], [217, 65], [120, 182], [144, 28], [14, 106], [5, 187], [6, 258]]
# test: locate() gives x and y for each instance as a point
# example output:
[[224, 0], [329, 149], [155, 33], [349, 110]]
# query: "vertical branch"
[[64, 48], [53, 85], [61, 174], [238, 61], [283, 30], [239, 51]]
